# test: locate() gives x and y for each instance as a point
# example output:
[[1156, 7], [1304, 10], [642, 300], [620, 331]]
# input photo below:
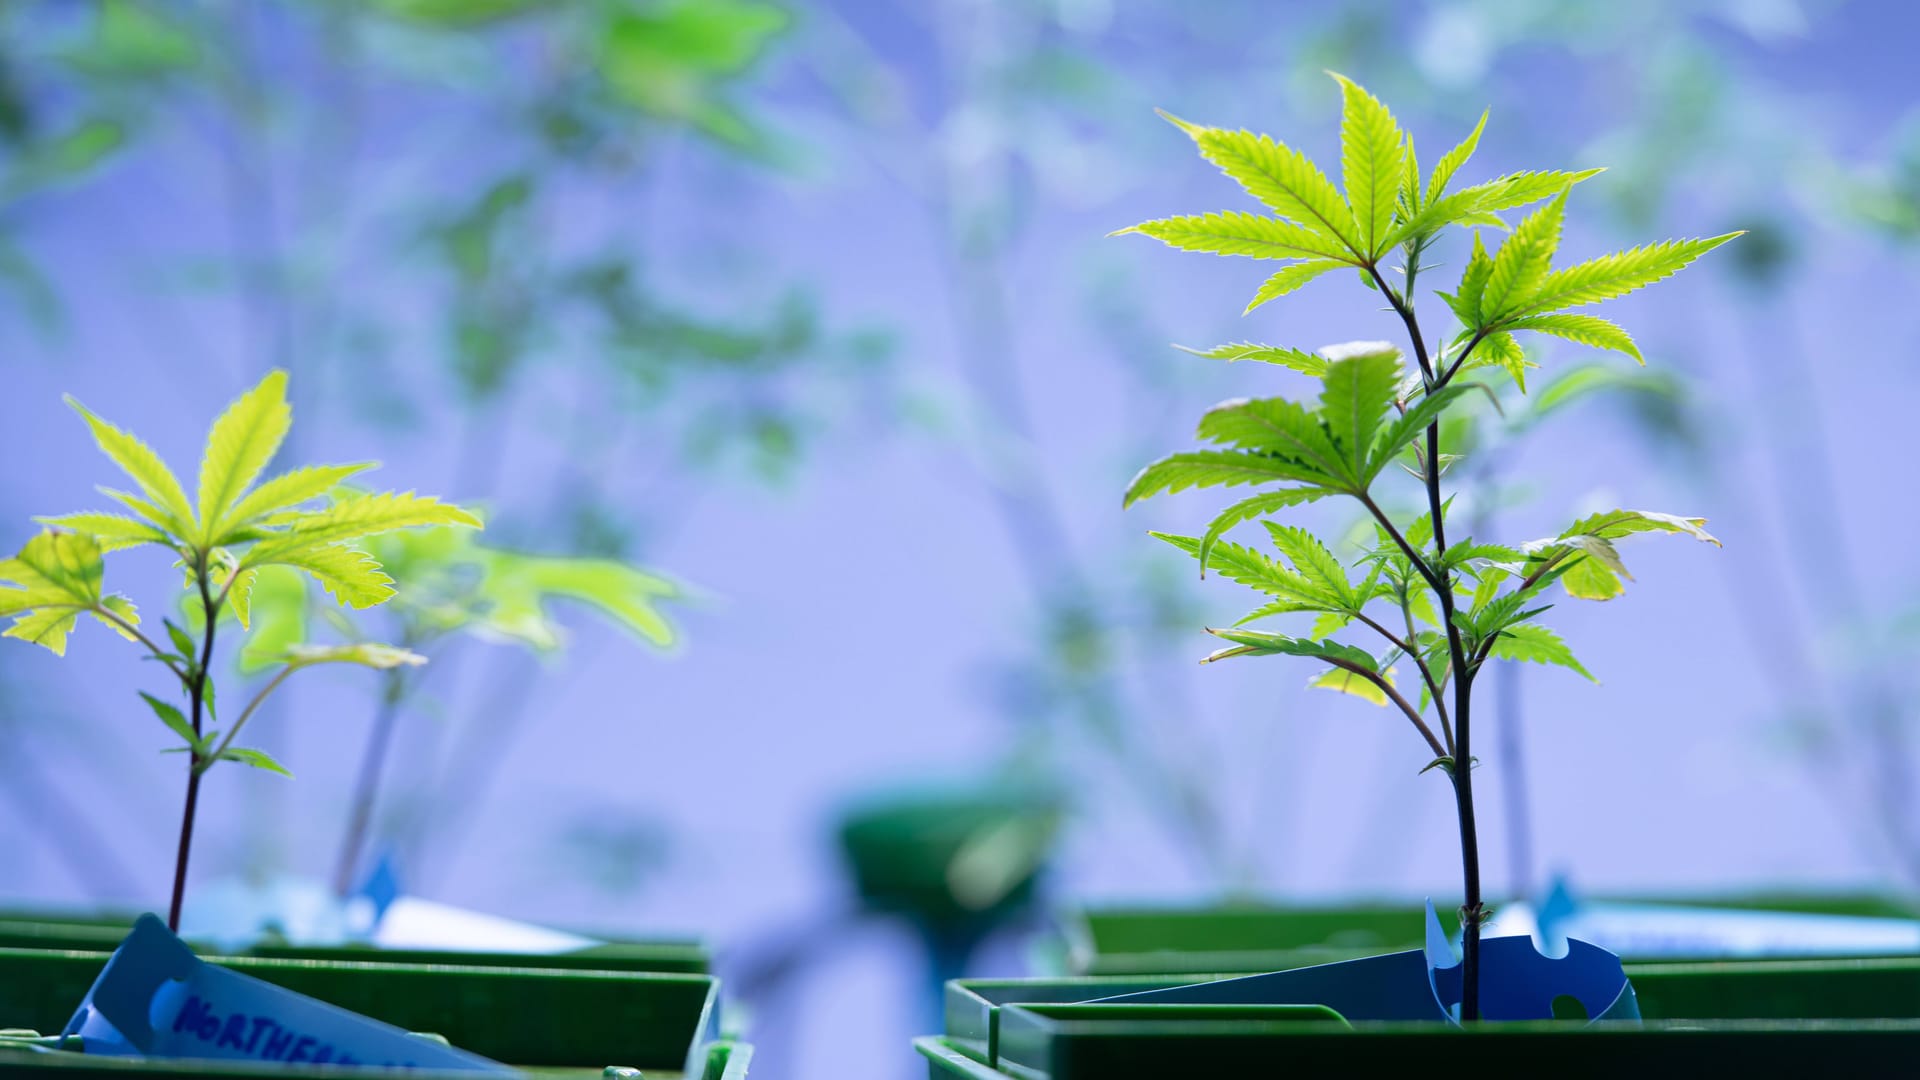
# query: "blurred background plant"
[[456, 588], [808, 302]]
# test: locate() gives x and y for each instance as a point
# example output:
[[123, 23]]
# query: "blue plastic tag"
[[156, 999], [1516, 983]]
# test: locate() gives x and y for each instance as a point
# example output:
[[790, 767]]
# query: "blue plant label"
[[1516, 983], [156, 999]]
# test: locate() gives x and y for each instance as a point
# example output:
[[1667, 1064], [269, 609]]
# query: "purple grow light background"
[[903, 532]]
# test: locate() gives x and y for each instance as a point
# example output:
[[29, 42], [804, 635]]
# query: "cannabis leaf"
[[1517, 290], [1298, 359], [1372, 155], [1281, 177], [267, 523], [1536, 643], [55, 579], [1590, 563]]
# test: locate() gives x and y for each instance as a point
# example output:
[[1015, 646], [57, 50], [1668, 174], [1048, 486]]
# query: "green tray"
[[1248, 938], [548, 1021], [103, 934], [1760, 1016]]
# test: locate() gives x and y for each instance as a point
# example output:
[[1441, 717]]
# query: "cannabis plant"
[[456, 588], [223, 540], [1446, 608]]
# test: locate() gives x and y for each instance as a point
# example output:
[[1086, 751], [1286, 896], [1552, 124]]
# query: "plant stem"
[[1405, 645], [197, 692], [206, 762], [1406, 706], [156, 651], [1442, 581], [1472, 910], [367, 786]]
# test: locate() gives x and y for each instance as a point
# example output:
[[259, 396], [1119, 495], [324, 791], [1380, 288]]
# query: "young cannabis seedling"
[[1445, 608], [456, 588], [224, 538]]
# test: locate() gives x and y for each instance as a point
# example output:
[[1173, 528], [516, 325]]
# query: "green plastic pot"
[[1248, 938], [32, 930], [1789, 1017], [551, 1022]]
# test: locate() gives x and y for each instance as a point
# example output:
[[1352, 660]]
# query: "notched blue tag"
[[1516, 983], [156, 999]]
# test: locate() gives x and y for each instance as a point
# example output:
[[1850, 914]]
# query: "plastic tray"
[[1762, 1017], [548, 1021]]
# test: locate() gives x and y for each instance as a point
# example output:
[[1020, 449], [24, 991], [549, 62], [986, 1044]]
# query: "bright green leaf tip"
[[1193, 130]]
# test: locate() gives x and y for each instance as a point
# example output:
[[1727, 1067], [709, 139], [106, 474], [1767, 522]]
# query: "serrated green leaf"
[[258, 759], [1288, 279], [1298, 359], [1595, 571], [1499, 349], [1215, 468], [1477, 205], [1257, 571], [113, 531], [1486, 218], [241, 442], [1278, 427], [240, 595], [1537, 644], [1466, 302], [1357, 393], [1585, 329], [354, 517], [1614, 524], [1311, 560], [1451, 161], [1279, 607], [54, 578], [353, 578], [278, 606], [157, 482], [1372, 157], [1234, 232], [148, 512], [123, 608], [1282, 178], [1255, 642], [1342, 681], [1325, 624], [287, 490], [1409, 178], [1522, 262], [364, 653], [1467, 551], [1615, 275], [171, 716], [1250, 508], [47, 627]]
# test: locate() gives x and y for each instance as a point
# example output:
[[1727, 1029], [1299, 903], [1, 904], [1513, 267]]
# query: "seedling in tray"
[[223, 539], [1445, 608]]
